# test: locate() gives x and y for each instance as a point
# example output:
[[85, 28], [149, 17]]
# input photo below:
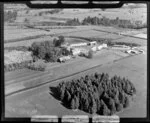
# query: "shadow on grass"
[[54, 92]]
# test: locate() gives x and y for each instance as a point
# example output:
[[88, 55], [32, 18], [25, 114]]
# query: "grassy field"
[[57, 71], [13, 33], [40, 101]]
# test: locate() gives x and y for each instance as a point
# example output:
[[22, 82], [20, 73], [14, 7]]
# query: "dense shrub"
[[15, 66], [38, 66], [97, 93]]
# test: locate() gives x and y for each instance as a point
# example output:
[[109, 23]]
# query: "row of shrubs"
[[27, 64], [96, 93], [15, 66]]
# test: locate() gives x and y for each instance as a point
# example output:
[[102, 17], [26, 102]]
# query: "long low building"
[[78, 44]]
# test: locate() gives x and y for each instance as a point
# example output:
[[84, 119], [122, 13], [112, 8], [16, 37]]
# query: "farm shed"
[[75, 51], [102, 46], [78, 44], [64, 58]]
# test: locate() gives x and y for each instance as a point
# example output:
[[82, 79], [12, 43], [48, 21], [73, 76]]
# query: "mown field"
[[40, 101]]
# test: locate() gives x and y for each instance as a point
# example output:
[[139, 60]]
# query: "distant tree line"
[[123, 23], [107, 22], [97, 93], [10, 16]]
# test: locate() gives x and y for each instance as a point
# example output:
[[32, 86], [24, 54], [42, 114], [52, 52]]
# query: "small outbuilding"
[[64, 58]]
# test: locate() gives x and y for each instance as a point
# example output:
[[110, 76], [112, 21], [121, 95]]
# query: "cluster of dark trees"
[[59, 42], [107, 22], [50, 52], [73, 22], [15, 66], [97, 93], [10, 16]]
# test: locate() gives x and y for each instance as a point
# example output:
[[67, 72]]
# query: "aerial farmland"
[[48, 51]]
